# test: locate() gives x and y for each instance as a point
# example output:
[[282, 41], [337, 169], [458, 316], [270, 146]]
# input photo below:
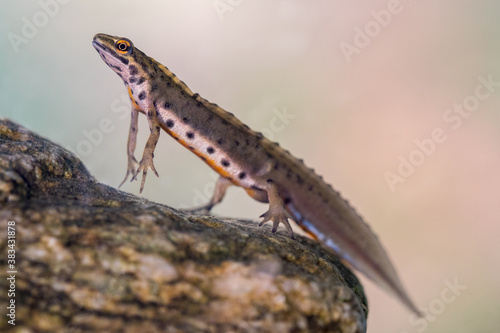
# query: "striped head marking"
[[121, 56]]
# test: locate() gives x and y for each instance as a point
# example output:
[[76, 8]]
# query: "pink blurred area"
[[441, 224]]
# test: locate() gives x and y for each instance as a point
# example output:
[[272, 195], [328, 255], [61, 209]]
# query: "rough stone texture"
[[90, 258]]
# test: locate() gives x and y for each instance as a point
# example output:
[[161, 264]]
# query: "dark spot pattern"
[[242, 175], [185, 120], [220, 141], [144, 66], [154, 87], [225, 163], [133, 70], [141, 80], [167, 105], [170, 123], [122, 60], [142, 95], [190, 135], [210, 150]]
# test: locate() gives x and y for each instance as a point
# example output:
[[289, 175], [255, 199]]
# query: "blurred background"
[[394, 102]]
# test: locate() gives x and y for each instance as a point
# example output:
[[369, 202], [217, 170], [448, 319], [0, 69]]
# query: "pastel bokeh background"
[[355, 89]]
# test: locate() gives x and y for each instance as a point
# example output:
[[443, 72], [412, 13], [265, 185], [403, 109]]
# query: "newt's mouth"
[[97, 45], [102, 43], [100, 47]]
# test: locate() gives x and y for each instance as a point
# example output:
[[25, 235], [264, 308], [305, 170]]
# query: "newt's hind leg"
[[277, 211], [132, 140], [219, 192]]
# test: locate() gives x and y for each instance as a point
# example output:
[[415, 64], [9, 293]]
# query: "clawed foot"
[[277, 211], [132, 162], [145, 164], [277, 215]]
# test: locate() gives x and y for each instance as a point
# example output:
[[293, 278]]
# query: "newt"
[[245, 158]]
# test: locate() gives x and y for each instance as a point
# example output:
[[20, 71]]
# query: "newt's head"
[[121, 56]]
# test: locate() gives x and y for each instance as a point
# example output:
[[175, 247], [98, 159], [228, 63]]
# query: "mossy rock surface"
[[90, 258]]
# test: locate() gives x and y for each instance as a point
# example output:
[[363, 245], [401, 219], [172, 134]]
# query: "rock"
[[90, 258]]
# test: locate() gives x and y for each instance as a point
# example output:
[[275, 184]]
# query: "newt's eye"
[[123, 46]]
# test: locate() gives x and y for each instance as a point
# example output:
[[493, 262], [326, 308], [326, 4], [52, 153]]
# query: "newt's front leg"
[[147, 156], [132, 140], [277, 211]]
